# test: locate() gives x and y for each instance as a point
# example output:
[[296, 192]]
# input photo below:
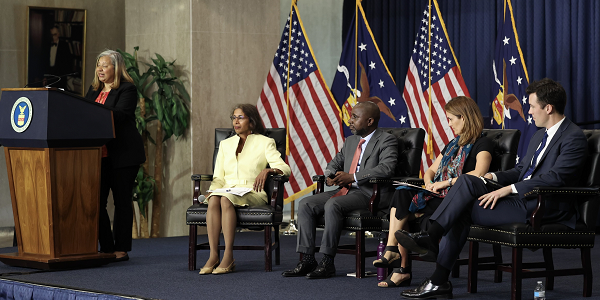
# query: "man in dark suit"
[[60, 59], [555, 157], [369, 153]]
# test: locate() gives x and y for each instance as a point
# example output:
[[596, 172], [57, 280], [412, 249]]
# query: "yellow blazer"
[[241, 171]]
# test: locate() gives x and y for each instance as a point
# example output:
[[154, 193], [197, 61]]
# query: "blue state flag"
[[510, 107], [373, 81]]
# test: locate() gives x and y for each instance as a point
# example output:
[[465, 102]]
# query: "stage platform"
[[157, 269]]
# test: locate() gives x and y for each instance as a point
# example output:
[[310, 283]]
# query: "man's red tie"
[[353, 166]]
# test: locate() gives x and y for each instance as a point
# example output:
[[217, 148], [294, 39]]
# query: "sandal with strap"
[[383, 262], [390, 283]]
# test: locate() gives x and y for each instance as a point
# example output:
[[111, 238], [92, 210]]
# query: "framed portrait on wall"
[[56, 48]]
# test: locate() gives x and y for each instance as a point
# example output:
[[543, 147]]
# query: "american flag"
[[446, 83], [314, 125], [373, 81], [510, 108]]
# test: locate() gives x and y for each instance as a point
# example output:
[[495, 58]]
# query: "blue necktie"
[[535, 157]]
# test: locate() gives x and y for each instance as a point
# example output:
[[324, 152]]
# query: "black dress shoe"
[[122, 258], [419, 242], [428, 290], [302, 268], [322, 271]]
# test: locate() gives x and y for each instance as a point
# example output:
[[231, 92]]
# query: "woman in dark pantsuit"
[[122, 156]]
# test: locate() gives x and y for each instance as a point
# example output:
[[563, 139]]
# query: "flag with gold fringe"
[[433, 79], [362, 75], [296, 97], [510, 107]]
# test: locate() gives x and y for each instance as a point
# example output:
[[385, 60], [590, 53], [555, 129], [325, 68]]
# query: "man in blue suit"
[[555, 157]]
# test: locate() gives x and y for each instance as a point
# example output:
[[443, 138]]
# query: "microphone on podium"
[[59, 77], [50, 75]]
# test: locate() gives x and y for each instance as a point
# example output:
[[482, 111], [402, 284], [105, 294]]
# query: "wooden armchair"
[[546, 236], [266, 217], [506, 143], [410, 146]]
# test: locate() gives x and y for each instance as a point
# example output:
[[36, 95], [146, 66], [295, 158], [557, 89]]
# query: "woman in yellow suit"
[[241, 162]]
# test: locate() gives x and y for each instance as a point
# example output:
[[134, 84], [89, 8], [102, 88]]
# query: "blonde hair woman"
[[122, 156], [468, 153]]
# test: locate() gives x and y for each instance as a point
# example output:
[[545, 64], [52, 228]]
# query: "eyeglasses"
[[233, 118]]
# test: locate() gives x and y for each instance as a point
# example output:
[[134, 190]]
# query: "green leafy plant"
[[170, 99], [143, 191], [170, 102], [168, 107]]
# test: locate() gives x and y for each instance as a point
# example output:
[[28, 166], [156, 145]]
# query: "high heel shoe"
[[394, 262], [406, 270], [391, 283], [208, 270], [225, 270]]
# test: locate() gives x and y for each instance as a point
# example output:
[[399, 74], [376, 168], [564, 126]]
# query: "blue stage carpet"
[[158, 270]]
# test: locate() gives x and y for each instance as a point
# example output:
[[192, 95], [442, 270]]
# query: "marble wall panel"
[[233, 44], [163, 27]]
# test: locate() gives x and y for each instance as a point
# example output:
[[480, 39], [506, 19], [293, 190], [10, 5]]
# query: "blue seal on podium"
[[20, 114]]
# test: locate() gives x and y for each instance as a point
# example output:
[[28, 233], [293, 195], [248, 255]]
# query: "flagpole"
[[503, 72], [287, 85], [356, 49], [429, 129], [291, 229]]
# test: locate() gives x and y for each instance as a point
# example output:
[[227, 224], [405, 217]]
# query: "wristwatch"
[[450, 182]]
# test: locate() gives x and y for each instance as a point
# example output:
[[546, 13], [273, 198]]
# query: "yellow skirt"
[[252, 198]]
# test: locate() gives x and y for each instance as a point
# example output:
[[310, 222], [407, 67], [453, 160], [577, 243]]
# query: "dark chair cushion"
[[359, 219], [410, 146], [506, 143], [522, 235], [553, 234], [247, 216]]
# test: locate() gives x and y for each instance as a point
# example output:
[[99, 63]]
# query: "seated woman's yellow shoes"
[[225, 270], [208, 270]]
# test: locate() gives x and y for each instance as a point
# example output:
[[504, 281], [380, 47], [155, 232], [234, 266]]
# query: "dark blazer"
[[127, 149], [561, 164], [379, 159]]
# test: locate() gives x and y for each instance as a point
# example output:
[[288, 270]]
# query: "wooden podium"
[[52, 142]]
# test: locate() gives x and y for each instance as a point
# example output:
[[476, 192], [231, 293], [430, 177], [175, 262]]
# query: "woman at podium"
[[122, 156]]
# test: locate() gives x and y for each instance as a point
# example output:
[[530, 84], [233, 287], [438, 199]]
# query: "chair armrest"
[[197, 178], [381, 180], [202, 177], [411, 180], [414, 181], [567, 191], [279, 177], [320, 179], [541, 192], [277, 195]]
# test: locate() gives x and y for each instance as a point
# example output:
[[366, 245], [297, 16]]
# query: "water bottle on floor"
[[381, 272], [540, 292]]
